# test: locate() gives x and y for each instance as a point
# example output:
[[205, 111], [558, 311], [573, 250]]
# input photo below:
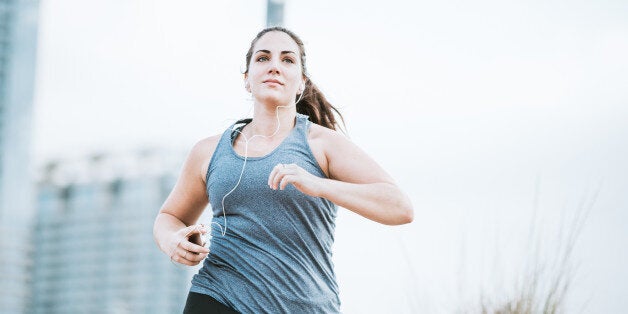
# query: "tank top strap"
[[221, 148], [302, 125]]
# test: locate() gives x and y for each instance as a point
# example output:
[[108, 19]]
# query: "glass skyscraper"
[[93, 237], [18, 46]]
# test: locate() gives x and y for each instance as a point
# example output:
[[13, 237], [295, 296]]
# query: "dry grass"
[[550, 267], [541, 285]]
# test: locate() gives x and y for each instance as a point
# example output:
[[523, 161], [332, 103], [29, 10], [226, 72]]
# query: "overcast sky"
[[480, 110]]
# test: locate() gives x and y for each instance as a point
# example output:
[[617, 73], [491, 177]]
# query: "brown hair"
[[313, 103]]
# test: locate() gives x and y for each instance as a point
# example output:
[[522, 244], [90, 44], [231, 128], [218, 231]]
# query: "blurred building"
[[274, 12], [95, 251], [18, 45]]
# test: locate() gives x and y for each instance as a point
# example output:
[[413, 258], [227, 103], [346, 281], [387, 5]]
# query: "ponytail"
[[315, 105]]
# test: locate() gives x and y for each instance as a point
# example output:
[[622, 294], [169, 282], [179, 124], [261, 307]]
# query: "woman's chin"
[[274, 100]]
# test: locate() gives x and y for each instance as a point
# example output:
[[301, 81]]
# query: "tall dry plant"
[[545, 282]]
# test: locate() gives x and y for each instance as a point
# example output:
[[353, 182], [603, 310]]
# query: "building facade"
[[274, 12], [93, 237], [18, 46]]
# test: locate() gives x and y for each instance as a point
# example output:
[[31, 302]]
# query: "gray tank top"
[[276, 254]]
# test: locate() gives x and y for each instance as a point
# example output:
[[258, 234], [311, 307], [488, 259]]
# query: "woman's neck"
[[266, 119]]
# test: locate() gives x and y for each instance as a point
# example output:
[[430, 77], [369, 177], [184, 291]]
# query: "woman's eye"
[[288, 60], [262, 58]]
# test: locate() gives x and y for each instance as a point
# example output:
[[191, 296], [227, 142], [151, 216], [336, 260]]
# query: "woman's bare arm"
[[184, 206], [356, 181]]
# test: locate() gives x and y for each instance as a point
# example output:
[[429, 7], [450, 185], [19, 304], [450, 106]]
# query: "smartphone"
[[196, 238]]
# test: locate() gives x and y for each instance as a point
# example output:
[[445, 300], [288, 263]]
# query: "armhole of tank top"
[[211, 160], [306, 133]]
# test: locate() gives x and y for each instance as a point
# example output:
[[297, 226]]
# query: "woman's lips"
[[273, 82]]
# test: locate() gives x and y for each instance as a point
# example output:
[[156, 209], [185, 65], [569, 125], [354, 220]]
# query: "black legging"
[[203, 304]]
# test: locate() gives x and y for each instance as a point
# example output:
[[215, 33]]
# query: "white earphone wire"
[[246, 152]]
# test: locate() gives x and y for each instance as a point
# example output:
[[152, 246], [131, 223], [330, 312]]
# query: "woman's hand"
[[186, 247], [284, 174]]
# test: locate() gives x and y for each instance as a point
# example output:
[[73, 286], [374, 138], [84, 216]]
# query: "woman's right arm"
[[185, 204]]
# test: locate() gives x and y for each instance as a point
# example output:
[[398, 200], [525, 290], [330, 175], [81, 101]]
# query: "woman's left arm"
[[356, 182]]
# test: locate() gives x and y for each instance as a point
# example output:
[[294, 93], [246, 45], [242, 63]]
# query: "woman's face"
[[275, 74]]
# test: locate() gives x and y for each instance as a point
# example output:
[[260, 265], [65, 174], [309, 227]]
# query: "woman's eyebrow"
[[283, 52]]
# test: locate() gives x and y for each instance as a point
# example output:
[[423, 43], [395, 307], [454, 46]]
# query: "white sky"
[[465, 104]]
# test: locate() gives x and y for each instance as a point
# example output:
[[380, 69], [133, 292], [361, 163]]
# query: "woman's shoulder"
[[202, 152], [322, 142], [325, 136], [206, 145]]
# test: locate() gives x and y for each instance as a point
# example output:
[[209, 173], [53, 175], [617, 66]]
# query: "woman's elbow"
[[409, 216], [406, 214]]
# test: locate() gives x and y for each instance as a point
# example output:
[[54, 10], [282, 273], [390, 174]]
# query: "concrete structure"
[[95, 251], [18, 46]]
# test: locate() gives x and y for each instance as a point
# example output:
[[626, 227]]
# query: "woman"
[[273, 183]]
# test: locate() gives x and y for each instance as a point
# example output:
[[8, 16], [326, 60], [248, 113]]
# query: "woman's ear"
[[247, 86]]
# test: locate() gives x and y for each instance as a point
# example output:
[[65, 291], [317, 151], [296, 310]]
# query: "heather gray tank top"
[[276, 254]]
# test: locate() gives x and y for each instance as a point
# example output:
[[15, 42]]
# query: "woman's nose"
[[273, 66]]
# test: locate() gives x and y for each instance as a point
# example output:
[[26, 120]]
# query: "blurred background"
[[506, 122]]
